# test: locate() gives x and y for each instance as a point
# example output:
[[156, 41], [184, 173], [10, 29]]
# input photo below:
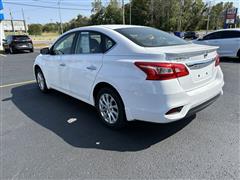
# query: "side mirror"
[[45, 51]]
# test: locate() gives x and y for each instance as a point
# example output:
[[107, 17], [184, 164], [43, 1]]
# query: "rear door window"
[[108, 43], [89, 43], [21, 38], [230, 34], [212, 36]]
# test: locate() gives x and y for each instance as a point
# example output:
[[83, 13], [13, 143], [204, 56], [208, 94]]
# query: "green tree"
[[141, 12], [96, 6], [79, 21], [50, 27], [112, 14], [35, 29]]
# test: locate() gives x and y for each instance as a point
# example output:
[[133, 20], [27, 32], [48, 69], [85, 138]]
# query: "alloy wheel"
[[108, 108], [40, 80]]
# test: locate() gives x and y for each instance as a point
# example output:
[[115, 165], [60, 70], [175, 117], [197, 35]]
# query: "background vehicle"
[[178, 34], [131, 72], [14, 43], [228, 41], [190, 35]]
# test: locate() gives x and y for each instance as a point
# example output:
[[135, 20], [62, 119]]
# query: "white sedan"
[[131, 73], [228, 41]]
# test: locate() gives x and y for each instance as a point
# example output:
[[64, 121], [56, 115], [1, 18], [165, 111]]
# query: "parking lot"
[[38, 141]]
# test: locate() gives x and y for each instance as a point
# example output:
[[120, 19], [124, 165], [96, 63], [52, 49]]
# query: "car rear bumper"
[[28, 47], [153, 107], [202, 106]]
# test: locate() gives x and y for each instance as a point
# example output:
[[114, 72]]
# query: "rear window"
[[21, 38], [150, 37]]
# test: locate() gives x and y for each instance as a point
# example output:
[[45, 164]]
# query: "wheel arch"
[[101, 85], [38, 67]]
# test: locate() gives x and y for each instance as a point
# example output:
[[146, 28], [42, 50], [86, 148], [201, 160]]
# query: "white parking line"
[[3, 55], [18, 83]]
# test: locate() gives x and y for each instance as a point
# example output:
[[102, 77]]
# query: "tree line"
[[168, 15]]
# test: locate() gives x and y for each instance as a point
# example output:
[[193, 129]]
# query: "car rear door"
[[215, 39], [86, 63], [230, 42]]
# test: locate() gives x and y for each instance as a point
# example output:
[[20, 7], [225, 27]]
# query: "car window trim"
[[103, 35]]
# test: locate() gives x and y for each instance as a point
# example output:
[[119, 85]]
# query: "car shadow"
[[19, 52], [53, 110]]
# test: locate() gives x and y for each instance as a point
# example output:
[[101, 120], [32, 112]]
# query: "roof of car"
[[112, 26], [230, 29], [119, 26], [20, 35]]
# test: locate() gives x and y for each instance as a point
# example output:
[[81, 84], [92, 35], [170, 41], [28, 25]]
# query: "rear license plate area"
[[201, 71]]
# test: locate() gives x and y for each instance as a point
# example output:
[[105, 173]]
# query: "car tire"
[[32, 50], [6, 51], [110, 108], [41, 81], [11, 50]]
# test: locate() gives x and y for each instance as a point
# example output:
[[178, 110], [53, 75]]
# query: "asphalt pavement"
[[39, 142]]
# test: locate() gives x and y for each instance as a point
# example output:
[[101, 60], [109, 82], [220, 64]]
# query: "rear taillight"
[[217, 60], [162, 71]]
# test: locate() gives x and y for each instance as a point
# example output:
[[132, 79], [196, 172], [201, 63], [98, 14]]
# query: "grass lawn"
[[45, 37]]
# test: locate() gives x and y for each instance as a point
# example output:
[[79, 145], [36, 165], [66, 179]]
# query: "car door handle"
[[92, 68], [62, 64]]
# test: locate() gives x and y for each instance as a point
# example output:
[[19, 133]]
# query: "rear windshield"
[[150, 37], [21, 38]]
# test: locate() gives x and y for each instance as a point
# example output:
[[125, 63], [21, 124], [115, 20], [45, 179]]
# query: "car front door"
[[215, 39], [57, 69], [86, 63]]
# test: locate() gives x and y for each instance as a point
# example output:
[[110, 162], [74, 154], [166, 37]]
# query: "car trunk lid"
[[199, 59]]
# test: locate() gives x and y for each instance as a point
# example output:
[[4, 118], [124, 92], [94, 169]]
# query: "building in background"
[[14, 26], [2, 36]]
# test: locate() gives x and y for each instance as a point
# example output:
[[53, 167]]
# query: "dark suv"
[[14, 43], [190, 35]]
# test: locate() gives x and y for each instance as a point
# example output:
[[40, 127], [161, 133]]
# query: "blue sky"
[[44, 15]]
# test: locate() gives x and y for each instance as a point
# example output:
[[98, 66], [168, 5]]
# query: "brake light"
[[162, 71], [217, 60]]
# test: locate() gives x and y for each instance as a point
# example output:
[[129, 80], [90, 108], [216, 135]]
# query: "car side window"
[[108, 43], [64, 45], [211, 36], [89, 42], [9, 39], [230, 34]]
